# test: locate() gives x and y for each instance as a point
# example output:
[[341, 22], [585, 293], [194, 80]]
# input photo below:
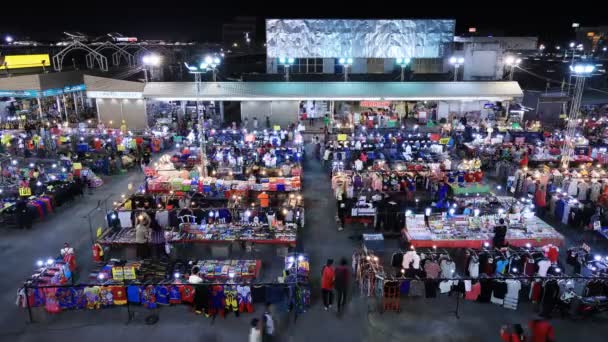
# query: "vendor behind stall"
[[500, 232]]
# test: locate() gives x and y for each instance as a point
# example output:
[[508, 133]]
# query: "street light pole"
[[149, 61], [403, 63], [346, 63], [580, 72], [512, 62], [456, 62], [286, 62]]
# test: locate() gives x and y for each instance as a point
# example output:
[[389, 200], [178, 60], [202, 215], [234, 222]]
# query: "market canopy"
[[337, 91], [41, 85]]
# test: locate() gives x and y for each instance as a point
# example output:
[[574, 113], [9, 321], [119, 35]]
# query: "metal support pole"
[[98, 113], [511, 72], [287, 73], [75, 103], [579, 86], [456, 72], [39, 107], [345, 73], [214, 71], [145, 74], [402, 73], [27, 301], [65, 109]]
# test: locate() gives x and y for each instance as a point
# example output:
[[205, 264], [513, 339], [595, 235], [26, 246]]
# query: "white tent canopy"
[[336, 91]]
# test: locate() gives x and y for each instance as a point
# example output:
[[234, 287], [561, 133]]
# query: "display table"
[[470, 189], [479, 243], [473, 232]]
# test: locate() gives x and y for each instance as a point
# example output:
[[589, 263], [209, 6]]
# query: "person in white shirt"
[[255, 334], [194, 277], [268, 321], [66, 249]]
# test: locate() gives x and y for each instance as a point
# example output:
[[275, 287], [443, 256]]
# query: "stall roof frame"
[[333, 91]]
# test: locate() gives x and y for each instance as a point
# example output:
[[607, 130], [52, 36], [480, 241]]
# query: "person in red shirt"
[[541, 331], [327, 283], [524, 160], [513, 333]]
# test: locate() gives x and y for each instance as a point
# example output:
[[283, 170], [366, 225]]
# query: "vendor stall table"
[[478, 244]]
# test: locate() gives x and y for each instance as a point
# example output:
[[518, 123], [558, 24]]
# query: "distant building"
[[240, 32], [316, 45], [373, 45], [484, 57], [592, 38]]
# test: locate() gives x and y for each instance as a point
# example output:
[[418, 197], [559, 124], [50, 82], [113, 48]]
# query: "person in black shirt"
[[500, 232]]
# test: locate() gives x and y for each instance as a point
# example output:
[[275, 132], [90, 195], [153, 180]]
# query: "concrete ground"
[[419, 319]]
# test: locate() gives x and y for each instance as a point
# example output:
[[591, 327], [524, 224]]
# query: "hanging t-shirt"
[[543, 267], [474, 292], [119, 294], [264, 200], [134, 294], [162, 295], [148, 297], [175, 297]]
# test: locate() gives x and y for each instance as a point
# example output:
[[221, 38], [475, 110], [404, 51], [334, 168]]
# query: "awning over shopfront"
[[336, 91], [109, 88], [41, 85]]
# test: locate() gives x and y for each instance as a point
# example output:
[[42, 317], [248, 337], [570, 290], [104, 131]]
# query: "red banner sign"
[[376, 104]]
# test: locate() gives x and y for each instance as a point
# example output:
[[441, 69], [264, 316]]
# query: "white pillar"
[[39, 107], [75, 103], [65, 108], [98, 114]]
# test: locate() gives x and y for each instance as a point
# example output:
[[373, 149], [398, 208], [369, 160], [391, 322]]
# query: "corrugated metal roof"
[[27, 82], [94, 83], [243, 91]]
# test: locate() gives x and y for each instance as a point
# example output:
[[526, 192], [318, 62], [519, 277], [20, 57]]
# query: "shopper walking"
[[500, 232], [541, 331], [255, 334], [342, 275], [327, 283], [512, 333], [267, 324]]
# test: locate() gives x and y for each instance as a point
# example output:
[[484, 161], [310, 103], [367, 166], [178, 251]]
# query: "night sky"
[[202, 22]]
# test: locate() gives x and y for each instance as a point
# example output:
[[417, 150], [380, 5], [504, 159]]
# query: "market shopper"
[[194, 277], [267, 324], [327, 283], [255, 333], [342, 278], [500, 232], [512, 333], [541, 331], [255, 123]]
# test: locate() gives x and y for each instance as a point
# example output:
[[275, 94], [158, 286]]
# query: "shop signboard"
[[375, 104], [277, 128], [19, 93], [77, 166], [341, 137], [74, 88], [444, 141], [25, 192], [123, 273], [25, 61]]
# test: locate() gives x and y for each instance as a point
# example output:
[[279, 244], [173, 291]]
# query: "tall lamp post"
[[208, 63], [286, 63], [211, 63], [456, 62], [345, 63], [512, 62], [579, 72], [403, 63], [151, 60]]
